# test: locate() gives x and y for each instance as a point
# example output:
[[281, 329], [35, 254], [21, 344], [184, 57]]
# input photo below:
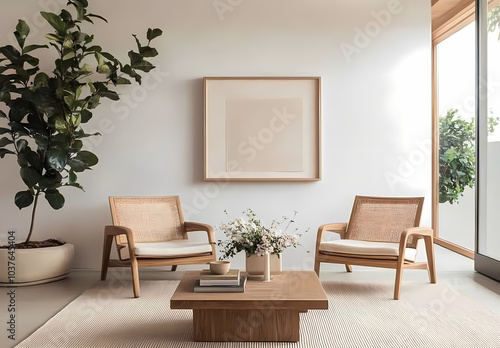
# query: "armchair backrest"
[[151, 219], [383, 219]]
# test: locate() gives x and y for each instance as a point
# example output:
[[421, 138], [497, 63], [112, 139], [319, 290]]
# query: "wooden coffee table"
[[264, 312]]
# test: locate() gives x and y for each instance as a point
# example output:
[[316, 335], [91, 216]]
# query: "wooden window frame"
[[445, 25]]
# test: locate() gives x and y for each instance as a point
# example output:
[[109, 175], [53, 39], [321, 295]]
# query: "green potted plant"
[[42, 115], [457, 155]]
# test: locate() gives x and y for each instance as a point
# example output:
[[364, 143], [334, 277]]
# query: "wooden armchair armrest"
[[418, 232], [109, 233], [339, 228], [198, 226], [113, 231]]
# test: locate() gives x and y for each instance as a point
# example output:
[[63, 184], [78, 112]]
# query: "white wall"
[[376, 121]]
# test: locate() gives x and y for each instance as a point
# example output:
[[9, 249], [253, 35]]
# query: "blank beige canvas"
[[264, 135]]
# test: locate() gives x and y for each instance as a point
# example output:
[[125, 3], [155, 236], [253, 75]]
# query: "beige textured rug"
[[360, 315]]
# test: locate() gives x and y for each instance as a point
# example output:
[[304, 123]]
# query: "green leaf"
[[135, 58], [54, 37], [97, 16], [69, 55], [144, 66], [2, 114], [92, 87], [153, 33], [33, 61], [84, 160], [86, 18], [108, 56], [94, 49], [57, 159], [109, 94], [30, 176], [80, 6], [4, 152], [72, 177], [68, 42], [87, 157], [450, 154], [30, 48], [148, 52], [23, 199], [10, 53], [122, 81], [77, 185], [139, 46], [78, 92], [22, 28], [86, 68], [103, 69], [66, 16], [4, 96], [86, 116], [52, 179], [70, 101], [77, 146], [82, 3], [54, 20], [4, 130], [76, 119], [60, 124], [127, 69], [21, 33], [41, 80], [22, 144], [5, 141], [55, 199], [82, 135], [94, 101]]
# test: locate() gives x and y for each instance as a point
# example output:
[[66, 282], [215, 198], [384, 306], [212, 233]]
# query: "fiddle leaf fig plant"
[[42, 114]]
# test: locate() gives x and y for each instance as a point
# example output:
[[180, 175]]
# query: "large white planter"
[[35, 266], [255, 264]]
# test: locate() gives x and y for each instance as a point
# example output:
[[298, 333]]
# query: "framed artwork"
[[262, 128]]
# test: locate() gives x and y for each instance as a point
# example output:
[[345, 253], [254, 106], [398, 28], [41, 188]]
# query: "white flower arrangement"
[[250, 235]]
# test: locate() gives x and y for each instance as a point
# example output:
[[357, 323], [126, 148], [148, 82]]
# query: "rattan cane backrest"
[[383, 219], [151, 219]]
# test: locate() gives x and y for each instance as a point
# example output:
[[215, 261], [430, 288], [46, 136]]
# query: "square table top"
[[287, 290]]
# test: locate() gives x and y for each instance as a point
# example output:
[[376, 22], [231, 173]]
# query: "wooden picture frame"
[[262, 128]]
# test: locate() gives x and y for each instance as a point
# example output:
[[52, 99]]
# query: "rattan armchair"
[[151, 231], [382, 232]]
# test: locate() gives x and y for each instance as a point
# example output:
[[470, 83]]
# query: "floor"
[[36, 304]]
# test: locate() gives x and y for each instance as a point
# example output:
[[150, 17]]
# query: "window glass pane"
[[489, 242], [456, 108]]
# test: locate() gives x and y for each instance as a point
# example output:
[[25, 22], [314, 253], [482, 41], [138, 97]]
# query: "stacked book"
[[229, 282]]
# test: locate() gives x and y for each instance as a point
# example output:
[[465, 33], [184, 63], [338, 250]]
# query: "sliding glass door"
[[487, 253]]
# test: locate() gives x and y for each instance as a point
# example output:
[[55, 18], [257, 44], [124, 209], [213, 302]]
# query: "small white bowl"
[[220, 267]]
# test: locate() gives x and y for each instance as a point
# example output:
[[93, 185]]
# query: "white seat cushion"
[[173, 248], [363, 248]]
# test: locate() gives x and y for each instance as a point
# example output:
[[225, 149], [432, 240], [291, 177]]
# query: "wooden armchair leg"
[[399, 276], [429, 249], [106, 252], [316, 265], [174, 267], [135, 276], [348, 268]]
